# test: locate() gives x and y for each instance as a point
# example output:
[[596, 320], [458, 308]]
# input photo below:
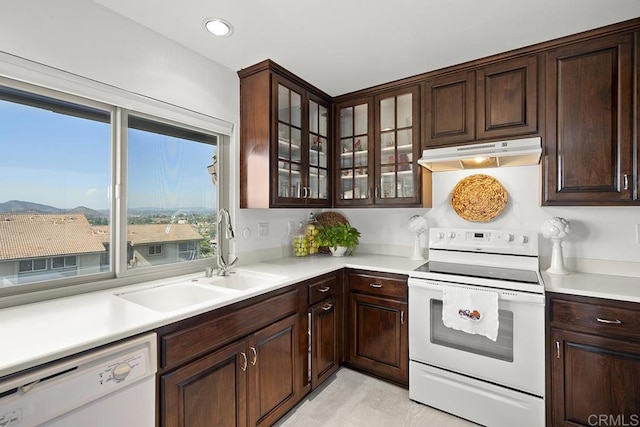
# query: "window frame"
[[157, 250], [164, 113]]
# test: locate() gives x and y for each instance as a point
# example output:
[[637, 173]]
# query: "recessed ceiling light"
[[218, 27]]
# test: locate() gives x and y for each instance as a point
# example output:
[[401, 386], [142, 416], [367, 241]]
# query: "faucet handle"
[[233, 262]]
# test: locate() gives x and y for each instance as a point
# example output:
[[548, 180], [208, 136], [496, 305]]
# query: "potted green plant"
[[339, 238]]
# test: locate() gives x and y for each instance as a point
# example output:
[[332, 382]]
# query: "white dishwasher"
[[111, 386]]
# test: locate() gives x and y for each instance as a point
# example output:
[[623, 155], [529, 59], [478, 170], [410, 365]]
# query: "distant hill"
[[18, 206]]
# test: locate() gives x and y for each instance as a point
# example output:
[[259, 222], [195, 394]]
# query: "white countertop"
[[41, 332], [622, 288]]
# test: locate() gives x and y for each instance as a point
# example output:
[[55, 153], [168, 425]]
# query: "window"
[[29, 265], [171, 193], [61, 167], [187, 251], [63, 262], [155, 250], [56, 169]]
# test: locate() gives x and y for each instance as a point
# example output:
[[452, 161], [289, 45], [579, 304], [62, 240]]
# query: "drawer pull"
[[609, 322], [327, 307], [325, 289], [375, 285], [244, 356]]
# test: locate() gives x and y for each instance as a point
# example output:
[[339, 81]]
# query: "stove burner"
[[480, 271]]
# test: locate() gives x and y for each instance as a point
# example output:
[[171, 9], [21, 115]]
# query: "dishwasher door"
[[110, 386]]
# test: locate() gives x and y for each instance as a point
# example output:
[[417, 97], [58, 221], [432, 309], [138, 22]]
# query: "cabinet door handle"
[[557, 349], [255, 356], [369, 193], [625, 180], [375, 285], [377, 193], [402, 317], [325, 289], [244, 365], [304, 195], [327, 307], [609, 322]]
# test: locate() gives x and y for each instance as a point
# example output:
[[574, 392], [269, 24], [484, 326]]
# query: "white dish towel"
[[471, 311]]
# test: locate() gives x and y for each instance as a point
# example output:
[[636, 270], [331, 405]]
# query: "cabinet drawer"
[[327, 288], [373, 284], [185, 344], [595, 318]]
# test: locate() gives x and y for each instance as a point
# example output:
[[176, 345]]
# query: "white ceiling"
[[345, 45]]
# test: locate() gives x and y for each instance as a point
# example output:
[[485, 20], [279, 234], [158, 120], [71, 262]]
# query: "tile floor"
[[352, 399]]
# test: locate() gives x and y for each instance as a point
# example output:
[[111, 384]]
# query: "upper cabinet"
[[377, 147], [494, 101], [589, 139], [450, 113], [285, 128]]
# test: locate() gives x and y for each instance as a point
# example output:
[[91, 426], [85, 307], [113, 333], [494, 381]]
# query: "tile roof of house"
[[42, 235], [142, 234]]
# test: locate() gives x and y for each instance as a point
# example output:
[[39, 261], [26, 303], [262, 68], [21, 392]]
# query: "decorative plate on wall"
[[478, 198]]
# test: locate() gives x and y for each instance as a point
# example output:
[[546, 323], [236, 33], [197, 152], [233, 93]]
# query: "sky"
[[64, 161]]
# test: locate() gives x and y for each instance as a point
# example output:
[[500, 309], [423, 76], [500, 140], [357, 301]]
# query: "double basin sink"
[[178, 295]]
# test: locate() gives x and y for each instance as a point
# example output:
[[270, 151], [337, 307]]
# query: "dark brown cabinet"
[[450, 112], [285, 145], [507, 98], [209, 391], [272, 368], [377, 146], [494, 101], [240, 366], [594, 361], [589, 140], [325, 327], [377, 340]]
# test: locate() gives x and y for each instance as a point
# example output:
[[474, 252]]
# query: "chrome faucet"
[[223, 266]]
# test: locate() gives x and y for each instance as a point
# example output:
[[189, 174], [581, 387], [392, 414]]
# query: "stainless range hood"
[[519, 152]]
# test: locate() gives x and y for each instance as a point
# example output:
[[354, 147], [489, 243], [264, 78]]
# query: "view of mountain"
[[18, 206]]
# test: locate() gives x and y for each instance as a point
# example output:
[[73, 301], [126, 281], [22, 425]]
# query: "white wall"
[[83, 38]]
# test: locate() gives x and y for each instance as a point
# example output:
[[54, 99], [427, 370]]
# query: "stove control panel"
[[513, 242]]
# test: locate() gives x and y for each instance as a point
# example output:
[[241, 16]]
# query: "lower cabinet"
[[594, 362], [209, 391], [377, 325], [245, 383], [325, 332], [325, 327]]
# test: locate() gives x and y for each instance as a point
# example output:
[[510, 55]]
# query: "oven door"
[[515, 359]]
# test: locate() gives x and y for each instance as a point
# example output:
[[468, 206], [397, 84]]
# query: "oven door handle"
[[504, 294]]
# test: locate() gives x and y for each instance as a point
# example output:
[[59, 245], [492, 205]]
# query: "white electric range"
[[494, 383]]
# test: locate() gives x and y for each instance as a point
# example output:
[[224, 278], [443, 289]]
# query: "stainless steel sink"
[[175, 296]]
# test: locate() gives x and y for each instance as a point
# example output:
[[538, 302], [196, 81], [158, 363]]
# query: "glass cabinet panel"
[[289, 143], [396, 147], [318, 179], [354, 153]]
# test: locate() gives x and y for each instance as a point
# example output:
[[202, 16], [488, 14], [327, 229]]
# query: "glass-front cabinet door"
[[397, 148], [354, 177], [303, 123], [316, 190], [289, 148]]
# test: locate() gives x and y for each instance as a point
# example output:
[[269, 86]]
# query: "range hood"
[[519, 152]]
